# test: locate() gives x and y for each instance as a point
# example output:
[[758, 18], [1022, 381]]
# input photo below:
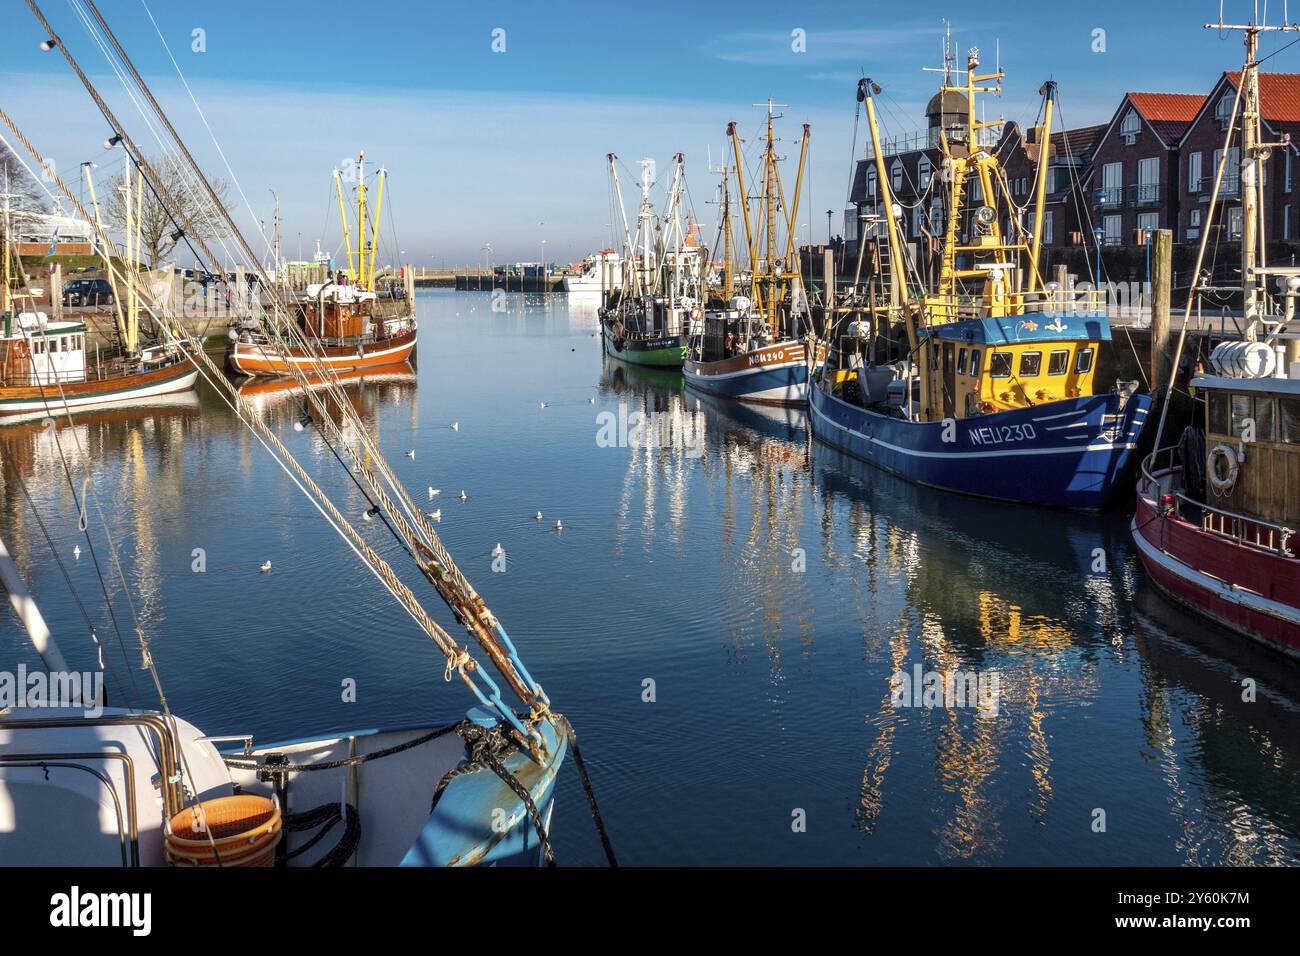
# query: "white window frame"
[[1112, 230], [924, 170], [1112, 186], [1047, 227], [896, 176], [1194, 172], [1130, 126]]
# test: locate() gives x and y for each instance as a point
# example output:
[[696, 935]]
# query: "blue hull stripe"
[[1012, 455]]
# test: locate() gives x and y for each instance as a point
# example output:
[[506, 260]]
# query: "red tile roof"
[[1279, 95], [1169, 114], [1168, 107]]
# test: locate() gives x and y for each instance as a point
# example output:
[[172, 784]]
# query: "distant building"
[[1134, 170], [1202, 145], [1150, 167]]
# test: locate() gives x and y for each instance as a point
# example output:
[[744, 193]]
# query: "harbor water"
[[741, 624]]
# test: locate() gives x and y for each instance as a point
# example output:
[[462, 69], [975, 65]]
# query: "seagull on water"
[[410, 454], [266, 566], [76, 551], [455, 426], [539, 516], [436, 515], [463, 496], [434, 492], [559, 526]]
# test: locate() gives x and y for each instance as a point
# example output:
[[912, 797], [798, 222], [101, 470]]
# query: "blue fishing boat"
[[994, 394], [1068, 453], [751, 348]]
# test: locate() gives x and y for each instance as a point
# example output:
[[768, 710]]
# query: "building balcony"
[[1132, 196], [1230, 188]]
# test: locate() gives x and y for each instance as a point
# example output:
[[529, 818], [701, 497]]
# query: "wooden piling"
[[1161, 291]]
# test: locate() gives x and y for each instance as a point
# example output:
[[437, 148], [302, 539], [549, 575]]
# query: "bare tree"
[[24, 192], [161, 229]]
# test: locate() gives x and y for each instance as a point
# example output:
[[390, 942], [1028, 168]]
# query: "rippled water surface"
[[760, 587]]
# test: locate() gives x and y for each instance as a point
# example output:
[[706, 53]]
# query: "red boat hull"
[[1252, 591]]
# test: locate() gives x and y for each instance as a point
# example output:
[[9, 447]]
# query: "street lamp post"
[[1097, 234]]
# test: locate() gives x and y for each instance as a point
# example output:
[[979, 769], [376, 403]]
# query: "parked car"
[[88, 292]]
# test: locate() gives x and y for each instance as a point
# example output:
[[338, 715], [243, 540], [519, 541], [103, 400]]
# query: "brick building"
[[1201, 147], [1132, 180]]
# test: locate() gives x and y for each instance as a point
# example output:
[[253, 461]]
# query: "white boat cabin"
[[40, 352]]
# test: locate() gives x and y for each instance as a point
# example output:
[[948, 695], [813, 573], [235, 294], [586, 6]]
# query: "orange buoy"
[[226, 831]]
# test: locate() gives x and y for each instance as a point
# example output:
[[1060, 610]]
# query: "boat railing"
[[1247, 531], [1049, 302]]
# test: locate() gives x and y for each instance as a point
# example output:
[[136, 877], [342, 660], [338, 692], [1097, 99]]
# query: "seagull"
[[463, 496], [559, 526], [455, 426], [539, 516], [367, 516], [434, 492], [76, 551], [591, 401], [410, 454], [498, 550], [435, 515], [266, 566]]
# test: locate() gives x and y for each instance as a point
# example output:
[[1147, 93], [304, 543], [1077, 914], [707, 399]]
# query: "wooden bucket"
[[244, 830]]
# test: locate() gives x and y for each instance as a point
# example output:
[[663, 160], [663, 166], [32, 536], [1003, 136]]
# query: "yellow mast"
[[792, 224], [106, 253], [374, 239], [769, 201], [744, 208], [887, 201], [343, 218], [1044, 154]]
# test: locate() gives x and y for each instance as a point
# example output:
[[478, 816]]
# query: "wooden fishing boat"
[[341, 324], [751, 347], [44, 371], [995, 394], [371, 344], [1218, 510]]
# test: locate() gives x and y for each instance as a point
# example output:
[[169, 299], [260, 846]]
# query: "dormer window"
[[871, 184], [1130, 126], [1223, 109], [896, 176], [923, 172]]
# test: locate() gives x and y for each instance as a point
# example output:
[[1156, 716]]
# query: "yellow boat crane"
[[773, 273], [361, 264]]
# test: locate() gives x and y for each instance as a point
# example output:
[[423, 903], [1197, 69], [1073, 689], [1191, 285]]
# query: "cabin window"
[[974, 361], [1290, 418], [1058, 363], [1219, 413], [1000, 364], [961, 361], [1240, 412], [1030, 364], [39, 347], [1083, 364], [1265, 429]]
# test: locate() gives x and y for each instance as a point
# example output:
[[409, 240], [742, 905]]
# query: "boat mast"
[[769, 201], [374, 236], [629, 251], [343, 218], [645, 219], [1044, 150], [361, 218], [726, 237], [867, 90], [756, 293]]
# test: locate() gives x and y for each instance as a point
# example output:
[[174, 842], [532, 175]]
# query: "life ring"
[[1222, 484], [697, 313]]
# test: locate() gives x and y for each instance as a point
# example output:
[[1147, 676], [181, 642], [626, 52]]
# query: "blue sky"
[[508, 148]]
